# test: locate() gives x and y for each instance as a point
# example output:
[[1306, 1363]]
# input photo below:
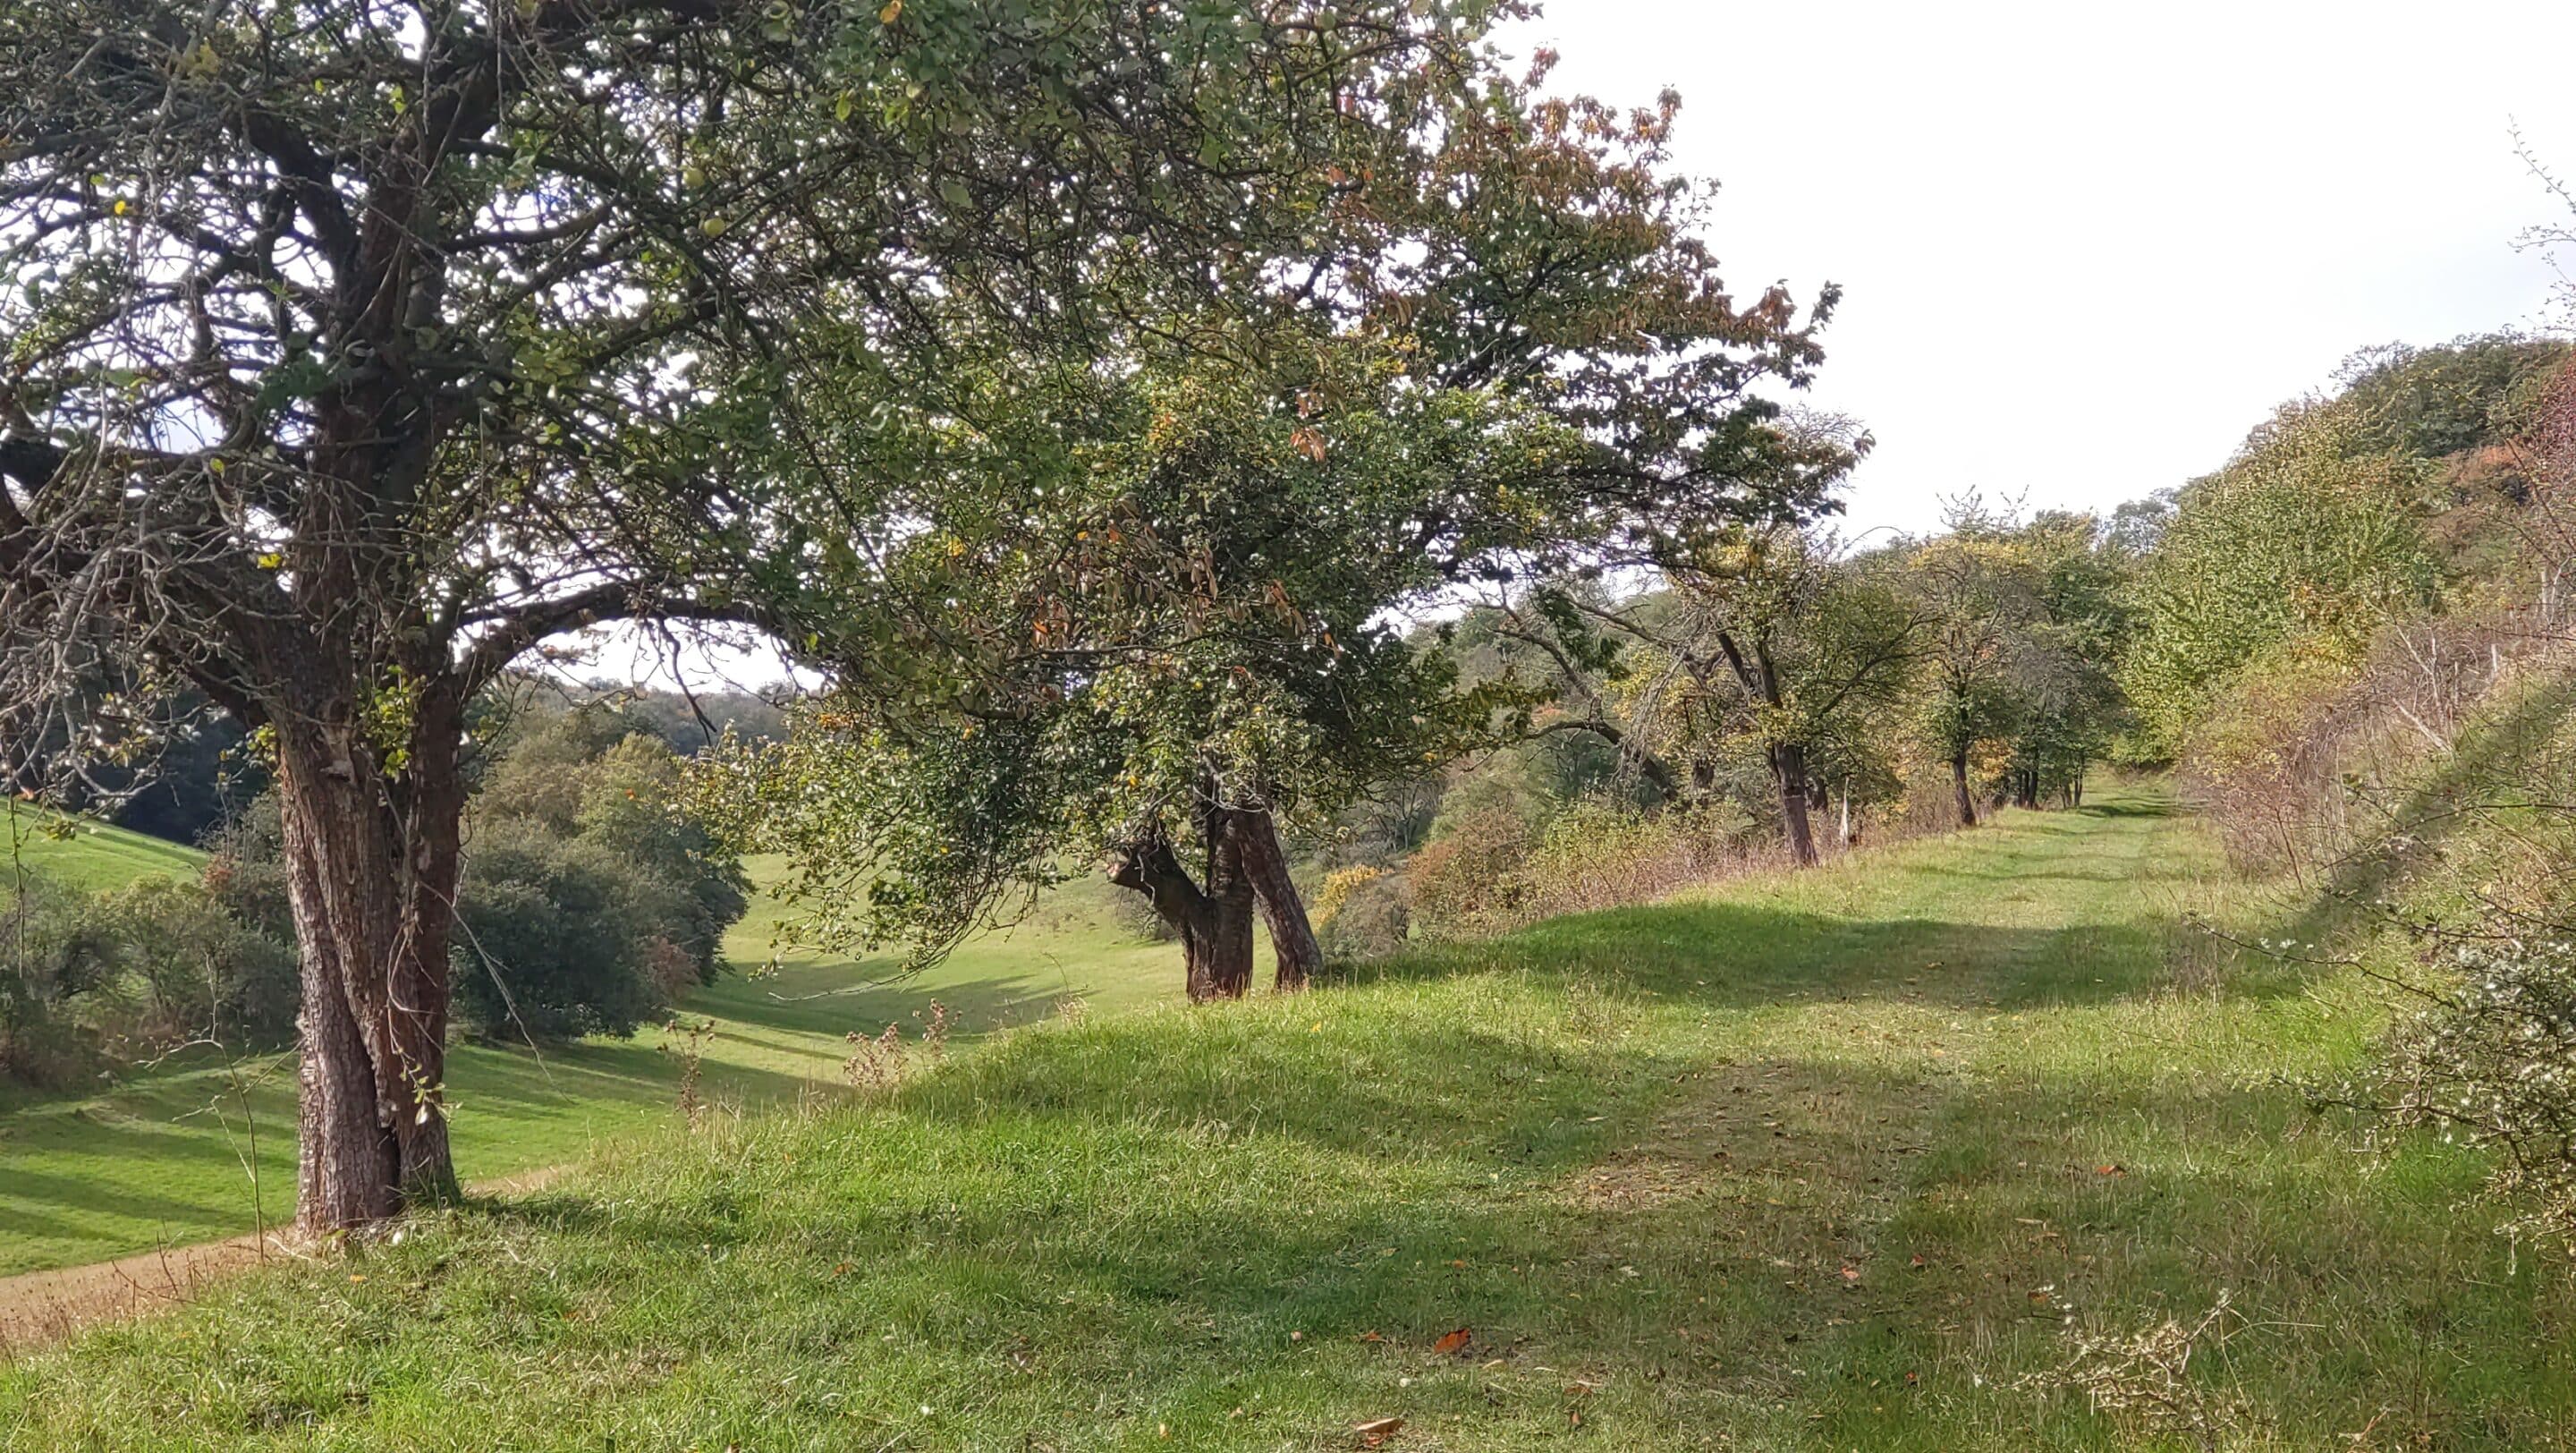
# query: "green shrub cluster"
[[98, 978], [591, 901]]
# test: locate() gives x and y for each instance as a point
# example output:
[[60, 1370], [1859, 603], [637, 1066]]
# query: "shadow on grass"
[[1735, 955], [1808, 1227], [2471, 784], [887, 997]]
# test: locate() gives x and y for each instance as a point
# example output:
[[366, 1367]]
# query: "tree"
[[1766, 637], [2299, 550], [1970, 584], [1513, 357], [2068, 702], [356, 348]]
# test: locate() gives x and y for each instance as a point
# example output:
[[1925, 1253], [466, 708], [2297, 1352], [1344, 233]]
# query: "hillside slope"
[[201, 1148], [89, 855], [1845, 1160]]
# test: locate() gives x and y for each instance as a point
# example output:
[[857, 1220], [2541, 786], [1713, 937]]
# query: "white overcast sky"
[[2085, 248]]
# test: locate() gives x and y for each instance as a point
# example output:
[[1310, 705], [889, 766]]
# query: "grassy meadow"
[[1960, 1143], [205, 1147], [82, 854]]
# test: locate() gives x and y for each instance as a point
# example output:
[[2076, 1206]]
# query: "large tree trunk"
[[1292, 937], [1214, 923], [371, 888], [1789, 765], [1959, 788], [1225, 956]]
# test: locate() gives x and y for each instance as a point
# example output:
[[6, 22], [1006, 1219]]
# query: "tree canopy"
[[358, 347]]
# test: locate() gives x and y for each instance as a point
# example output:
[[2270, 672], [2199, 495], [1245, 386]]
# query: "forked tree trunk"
[[1215, 922], [1959, 788], [1789, 765], [371, 889], [1292, 936]]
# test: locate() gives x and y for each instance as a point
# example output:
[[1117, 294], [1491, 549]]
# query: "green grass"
[[1844, 1160], [175, 1156], [79, 853]]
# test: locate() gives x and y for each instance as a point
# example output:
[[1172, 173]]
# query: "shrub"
[[2492, 1060], [130, 972], [1362, 912], [1466, 881], [187, 969], [47, 967], [1602, 854], [628, 806], [558, 937]]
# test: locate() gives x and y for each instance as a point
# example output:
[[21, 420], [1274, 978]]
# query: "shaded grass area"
[[203, 1148], [1838, 1161]]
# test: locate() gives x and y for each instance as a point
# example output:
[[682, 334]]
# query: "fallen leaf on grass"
[[1851, 1273], [1371, 1336], [1375, 1434], [2114, 1169], [1452, 1342]]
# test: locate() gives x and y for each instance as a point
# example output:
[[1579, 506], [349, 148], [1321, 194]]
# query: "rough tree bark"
[[372, 870], [1283, 908]]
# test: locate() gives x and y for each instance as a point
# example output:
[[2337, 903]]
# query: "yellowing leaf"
[[891, 13]]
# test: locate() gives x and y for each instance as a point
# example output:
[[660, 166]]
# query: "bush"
[[627, 807], [1466, 881], [2492, 1061], [1600, 854], [559, 937], [1362, 912], [47, 968], [131, 972], [190, 970], [590, 903]]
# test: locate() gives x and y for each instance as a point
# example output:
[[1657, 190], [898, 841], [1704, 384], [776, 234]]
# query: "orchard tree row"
[[1081, 389]]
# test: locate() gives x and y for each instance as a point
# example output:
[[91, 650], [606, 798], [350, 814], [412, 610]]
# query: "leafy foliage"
[[2301, 548], [91, 981]]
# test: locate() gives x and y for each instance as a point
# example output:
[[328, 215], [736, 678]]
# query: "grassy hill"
[[206, 1149], [79, 853], [1866, 1158]]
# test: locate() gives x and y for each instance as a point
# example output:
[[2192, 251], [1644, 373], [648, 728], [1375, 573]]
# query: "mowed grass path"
[[1837, 1161], [174, 1156]]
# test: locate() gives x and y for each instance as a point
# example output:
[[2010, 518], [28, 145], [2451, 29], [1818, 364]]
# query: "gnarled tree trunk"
[[1292, 936], [1215, 922], [1959, 788], [372, 883]]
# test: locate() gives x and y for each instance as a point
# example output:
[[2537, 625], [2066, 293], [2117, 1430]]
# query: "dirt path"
[[39, 1308]]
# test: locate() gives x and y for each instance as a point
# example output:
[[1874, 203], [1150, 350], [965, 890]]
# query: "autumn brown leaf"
[[1451, 1343], [1374, 1434]]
